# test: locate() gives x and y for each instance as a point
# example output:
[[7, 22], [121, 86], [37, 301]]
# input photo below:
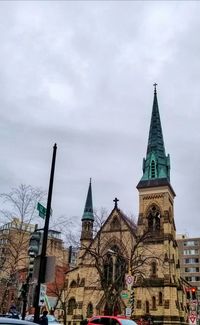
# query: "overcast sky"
[[81, 74]]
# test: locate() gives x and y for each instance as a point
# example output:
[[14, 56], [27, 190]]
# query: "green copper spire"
[[88, 211], [156, 166]]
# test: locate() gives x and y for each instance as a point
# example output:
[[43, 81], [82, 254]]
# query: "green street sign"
[[41, 215], [124, 295], [42, 210]]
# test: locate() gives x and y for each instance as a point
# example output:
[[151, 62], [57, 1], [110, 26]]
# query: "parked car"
[[111, 320], [13, 321], [10, 315], [51, 319]]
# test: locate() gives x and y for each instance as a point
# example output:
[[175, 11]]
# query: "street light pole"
[[42, 268]]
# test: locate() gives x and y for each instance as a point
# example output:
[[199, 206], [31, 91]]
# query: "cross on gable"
[[116, 200]]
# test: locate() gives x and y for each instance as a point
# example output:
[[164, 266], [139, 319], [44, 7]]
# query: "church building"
[[125, 266]]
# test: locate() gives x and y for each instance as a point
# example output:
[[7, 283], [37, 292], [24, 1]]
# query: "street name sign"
[[124, 295], [42, 210]]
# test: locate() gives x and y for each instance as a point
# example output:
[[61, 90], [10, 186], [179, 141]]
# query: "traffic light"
[[191, 293], [34, 249], [193, 290], [35, 243]]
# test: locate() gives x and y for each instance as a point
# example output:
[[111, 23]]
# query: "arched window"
[[160, 298], [73, 284], [154, 219], [147, 307], [115, 267], [108, 269], [89, 310], [153, 302], [71, 306], [154, 268]]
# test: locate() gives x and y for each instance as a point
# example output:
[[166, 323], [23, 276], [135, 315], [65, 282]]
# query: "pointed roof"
[[88, 211], [156, 165], [155, 141]]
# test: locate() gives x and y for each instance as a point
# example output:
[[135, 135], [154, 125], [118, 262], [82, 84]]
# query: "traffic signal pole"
[[42, 268]]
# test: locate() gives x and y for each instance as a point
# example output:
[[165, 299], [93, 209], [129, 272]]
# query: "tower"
[[159, 292], [87, 219]]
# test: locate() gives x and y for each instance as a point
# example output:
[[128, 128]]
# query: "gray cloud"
[[81, 74]]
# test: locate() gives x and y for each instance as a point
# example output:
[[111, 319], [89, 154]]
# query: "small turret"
[[88, 218]]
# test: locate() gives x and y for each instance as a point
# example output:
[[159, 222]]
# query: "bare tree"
[[59, 289], [21, 202], [113, 263], [16, 219]]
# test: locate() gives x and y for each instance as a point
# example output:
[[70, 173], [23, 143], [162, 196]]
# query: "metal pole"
[[42, 269], [25, 298]]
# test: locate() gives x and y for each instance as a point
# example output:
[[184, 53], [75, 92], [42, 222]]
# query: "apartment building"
[[14, 258], [189, 255]]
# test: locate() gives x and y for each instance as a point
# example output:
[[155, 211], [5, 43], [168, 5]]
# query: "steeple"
[[88, 211], [156, 166]]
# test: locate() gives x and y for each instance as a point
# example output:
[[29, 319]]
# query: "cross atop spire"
[[155, 90], [116, 200]]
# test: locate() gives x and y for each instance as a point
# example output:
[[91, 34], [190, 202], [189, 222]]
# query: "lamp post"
[[42, 267]]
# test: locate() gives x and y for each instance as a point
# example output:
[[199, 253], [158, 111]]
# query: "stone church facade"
[[146, 251]]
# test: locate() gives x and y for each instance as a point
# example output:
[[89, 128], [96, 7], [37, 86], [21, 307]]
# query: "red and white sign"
[[129, 279], [193, 318]]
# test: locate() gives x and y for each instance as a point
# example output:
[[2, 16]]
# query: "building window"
[[154, 303], [166, 304], [190, 243], [192, 278], [147, 307], [73, 284], [160, 298], [139, 304], [71, 306], [192, 269], [108, 269], [89, 310], [115, 267], [154, 268], [191, 260], [190, 252], [154, 218]]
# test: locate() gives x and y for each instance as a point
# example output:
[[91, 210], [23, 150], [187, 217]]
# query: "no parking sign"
[[129, 280]]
